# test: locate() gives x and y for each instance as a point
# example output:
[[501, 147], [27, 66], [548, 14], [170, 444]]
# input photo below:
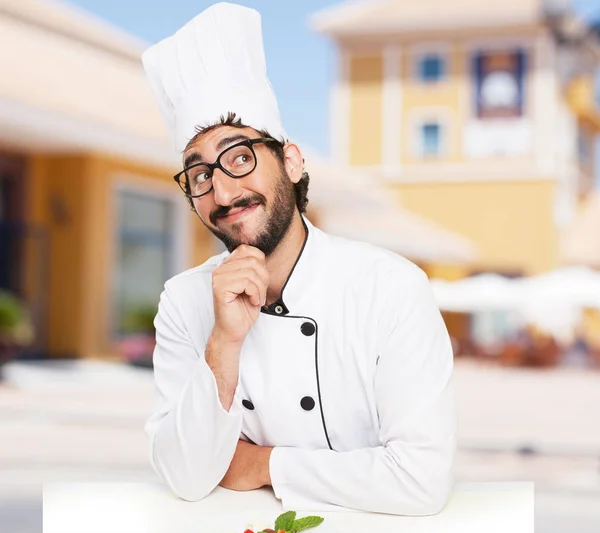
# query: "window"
[[499, 81], [144, 260], [431, 68], [431, 139]]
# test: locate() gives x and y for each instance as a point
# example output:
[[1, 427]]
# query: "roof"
[[356, 205], [71, 82], [401, 231], [380, 16], [73, 22], [581, 240]]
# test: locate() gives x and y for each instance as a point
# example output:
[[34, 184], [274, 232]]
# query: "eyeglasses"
[[236, 161]]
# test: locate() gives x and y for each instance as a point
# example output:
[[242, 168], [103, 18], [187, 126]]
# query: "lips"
[[239, 212]]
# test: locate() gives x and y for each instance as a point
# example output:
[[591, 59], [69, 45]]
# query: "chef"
[[297, 359]]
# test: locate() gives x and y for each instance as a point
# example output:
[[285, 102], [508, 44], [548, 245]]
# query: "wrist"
[[225, 341], [223, 361], [223, 354], [264, 473]]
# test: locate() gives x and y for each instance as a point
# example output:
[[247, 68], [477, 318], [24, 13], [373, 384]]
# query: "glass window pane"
[[431, 68], [142, 274], [145, 236], [430, 139], [141, 212]]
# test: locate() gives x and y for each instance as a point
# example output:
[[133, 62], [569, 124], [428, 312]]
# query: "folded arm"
[[411, 472], [192, 437]]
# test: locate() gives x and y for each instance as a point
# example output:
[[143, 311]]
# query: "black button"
[[307, 403], [308, 328], [276, 308], [248, 405]]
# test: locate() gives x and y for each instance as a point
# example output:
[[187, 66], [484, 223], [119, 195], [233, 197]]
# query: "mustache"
[[223, 211]]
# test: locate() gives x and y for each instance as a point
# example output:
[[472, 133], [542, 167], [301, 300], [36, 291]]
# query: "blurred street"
[[83, 421]]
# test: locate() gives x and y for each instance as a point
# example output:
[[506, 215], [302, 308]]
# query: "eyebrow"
[[196, 157]]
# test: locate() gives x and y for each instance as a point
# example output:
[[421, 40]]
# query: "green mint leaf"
[[285, 521], [306, 523]]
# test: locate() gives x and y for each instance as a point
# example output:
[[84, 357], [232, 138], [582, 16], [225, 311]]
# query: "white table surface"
[[152, 508]]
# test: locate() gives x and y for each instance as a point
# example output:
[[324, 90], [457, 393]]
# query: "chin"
[[242, 236], [249, 229]]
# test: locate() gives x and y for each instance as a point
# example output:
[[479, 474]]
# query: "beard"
[[279, 216]]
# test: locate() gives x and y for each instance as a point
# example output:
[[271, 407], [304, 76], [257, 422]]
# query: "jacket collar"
[[299, 278]]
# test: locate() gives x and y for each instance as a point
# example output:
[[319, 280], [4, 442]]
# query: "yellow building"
[[91, 222], [478, 115]]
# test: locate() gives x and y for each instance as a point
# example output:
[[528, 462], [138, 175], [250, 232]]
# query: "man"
[[314, 364]]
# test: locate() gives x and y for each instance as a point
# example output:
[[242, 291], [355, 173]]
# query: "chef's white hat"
[[214, 65]]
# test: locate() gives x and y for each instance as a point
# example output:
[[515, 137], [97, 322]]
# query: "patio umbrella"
[[483, 292], [568, 287]]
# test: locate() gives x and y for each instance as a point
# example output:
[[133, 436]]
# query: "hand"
[[249, 468], [239, 290]]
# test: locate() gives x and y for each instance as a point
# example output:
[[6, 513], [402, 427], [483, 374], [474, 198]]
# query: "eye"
[[203, 176], [199, 175], [242, 159]]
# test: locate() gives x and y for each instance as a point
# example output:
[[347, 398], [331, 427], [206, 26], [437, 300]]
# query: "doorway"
[[24, 251], [12, 207]]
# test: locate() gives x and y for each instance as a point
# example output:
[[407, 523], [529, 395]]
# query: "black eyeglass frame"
[[217, 164]]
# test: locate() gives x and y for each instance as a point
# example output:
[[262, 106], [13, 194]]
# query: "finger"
[[248, 263], [239, 287], [245, 250], [241, 268], [253, 291], [258, 296], [236, 283]]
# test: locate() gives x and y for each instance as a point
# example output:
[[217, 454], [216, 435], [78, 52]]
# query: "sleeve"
[[410, 473], [192, 438]]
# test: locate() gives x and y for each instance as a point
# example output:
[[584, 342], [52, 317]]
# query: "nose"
[[225, 188]]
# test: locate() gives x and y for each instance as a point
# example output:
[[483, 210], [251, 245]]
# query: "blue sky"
[[300, 63]]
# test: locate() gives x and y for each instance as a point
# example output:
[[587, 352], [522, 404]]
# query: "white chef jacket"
[[347, 375]]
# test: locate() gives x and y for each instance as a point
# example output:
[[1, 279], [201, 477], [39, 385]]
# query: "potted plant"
[[16, 328], [137, 343]]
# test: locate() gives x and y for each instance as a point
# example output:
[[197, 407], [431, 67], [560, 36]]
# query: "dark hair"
[[300, 188]]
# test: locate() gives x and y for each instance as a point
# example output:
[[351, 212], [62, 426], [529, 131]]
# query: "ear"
[[293, 161]]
